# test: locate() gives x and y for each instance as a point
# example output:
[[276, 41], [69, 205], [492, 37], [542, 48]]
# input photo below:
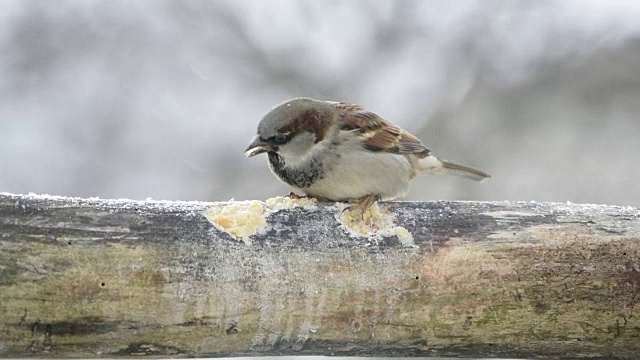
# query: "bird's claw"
[[361, 205], [295, 196]]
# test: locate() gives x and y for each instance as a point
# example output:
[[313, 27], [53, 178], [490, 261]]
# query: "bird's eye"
[[280, 138]]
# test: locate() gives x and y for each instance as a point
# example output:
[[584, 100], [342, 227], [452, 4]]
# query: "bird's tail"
[[464, 171], [431, 164]]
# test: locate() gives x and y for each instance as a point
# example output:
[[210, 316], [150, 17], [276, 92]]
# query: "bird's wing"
[[378, 134]]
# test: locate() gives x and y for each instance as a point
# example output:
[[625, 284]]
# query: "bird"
[[342, 152]]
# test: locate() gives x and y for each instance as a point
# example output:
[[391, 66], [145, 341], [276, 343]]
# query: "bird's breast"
[[349, 174], [300, 176]]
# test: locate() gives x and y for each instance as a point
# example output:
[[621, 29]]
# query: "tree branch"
[[90, 278]]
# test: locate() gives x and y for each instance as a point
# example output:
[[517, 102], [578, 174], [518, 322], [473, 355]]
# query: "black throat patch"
[[297, 177]]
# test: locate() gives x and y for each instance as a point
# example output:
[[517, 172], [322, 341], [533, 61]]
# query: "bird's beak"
[[257, 146]]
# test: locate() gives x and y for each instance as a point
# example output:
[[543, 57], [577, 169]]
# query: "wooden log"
[[103, 278]]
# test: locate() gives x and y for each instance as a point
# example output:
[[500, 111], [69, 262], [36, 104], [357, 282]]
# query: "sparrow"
[[337, 151]]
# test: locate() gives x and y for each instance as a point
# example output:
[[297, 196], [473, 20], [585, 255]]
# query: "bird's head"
[[292, 128]]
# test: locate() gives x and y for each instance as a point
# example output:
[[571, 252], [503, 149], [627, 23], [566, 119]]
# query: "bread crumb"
[[243, 219], [285, 202], [374, 221], [238, 219]]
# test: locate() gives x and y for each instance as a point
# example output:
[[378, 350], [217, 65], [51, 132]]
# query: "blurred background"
[[139, 99]]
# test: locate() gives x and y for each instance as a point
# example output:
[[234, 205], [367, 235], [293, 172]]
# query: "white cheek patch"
[[300, 149]]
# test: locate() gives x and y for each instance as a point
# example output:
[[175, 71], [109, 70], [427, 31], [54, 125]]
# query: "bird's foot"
[[295, 196], [360, 206]]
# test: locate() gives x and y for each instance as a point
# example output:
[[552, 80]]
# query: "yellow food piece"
[[242, 219], [405, 237], [238, 219], [286, 202], [374, 221]]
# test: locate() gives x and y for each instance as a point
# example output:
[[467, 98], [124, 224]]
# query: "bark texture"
[[104, 278]]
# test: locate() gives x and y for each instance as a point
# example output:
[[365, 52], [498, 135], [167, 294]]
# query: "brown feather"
[[380, 134], [313, 121]]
